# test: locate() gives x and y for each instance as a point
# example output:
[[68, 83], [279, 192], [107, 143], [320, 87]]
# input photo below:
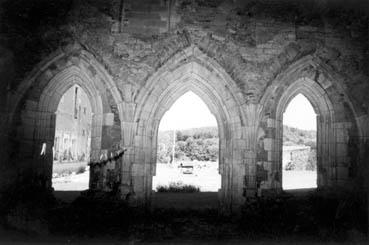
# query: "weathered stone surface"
[[246, 59]]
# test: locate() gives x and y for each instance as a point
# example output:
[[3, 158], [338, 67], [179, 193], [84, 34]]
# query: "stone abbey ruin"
[[246, 59]]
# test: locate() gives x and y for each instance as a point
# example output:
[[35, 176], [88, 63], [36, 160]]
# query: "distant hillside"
[[213, 131], [202, 143], [295, 136], [166, 137]]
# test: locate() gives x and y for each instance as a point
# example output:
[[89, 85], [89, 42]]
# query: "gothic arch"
[[325, 118], [336, 123], [55, 63], [191, 70], [37, 98]]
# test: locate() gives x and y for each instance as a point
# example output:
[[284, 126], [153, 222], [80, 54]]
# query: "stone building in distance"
[[73, 127]]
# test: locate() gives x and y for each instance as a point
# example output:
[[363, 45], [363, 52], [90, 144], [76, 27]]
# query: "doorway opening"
[[72, 141], [187, 148], [299, 159]]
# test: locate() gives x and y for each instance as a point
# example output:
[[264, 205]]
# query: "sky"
[[189, 111], [300, 114]]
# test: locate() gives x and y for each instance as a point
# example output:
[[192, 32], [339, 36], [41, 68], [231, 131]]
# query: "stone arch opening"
[[219, 93], [299, 168], [325, 117], [338, 133], [194, 159], [33, 116], [45, 118], [72, 141]]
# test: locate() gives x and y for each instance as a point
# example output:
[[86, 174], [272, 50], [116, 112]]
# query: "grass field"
[[66, 176], [205, 175]]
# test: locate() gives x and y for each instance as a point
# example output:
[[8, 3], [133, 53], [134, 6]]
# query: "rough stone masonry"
[[245, 59]]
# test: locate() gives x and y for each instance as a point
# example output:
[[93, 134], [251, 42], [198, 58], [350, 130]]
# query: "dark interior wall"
[[7, 75]]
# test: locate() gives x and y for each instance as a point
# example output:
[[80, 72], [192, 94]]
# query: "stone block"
[[138, 169], [271, 123], [267, 166], [108, 119], [270, 133], [341, 149], [268, 144], [342, 173]]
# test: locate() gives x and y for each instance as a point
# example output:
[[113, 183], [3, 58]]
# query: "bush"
[[178, 187], [65, 169], [81, 170]]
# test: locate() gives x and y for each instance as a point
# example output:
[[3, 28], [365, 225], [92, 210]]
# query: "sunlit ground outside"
[[71, 176], [205, 176], [299, 145], [299, 179], [72, 141], [187, 113]]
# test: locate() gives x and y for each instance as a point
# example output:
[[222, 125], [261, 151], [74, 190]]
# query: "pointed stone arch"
[[192, 70], [337, 131], [325, 118], [35, 103]]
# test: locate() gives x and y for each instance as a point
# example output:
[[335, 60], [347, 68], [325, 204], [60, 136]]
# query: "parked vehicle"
[[186, 169]]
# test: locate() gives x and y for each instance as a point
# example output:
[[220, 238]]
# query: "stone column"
[[128, 127], [43, 147], [245, 158], [96, 152]]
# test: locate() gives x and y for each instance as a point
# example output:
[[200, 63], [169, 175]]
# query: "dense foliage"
[[201, 144], [178, 187], [295, 136]]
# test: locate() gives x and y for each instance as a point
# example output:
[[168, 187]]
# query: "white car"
[[187, 169]]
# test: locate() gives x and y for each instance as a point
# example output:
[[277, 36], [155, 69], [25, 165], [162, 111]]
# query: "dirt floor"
[[192, 218], [199, 200]]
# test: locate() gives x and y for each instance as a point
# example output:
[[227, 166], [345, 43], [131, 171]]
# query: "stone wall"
[[246, 59], [299, 158]]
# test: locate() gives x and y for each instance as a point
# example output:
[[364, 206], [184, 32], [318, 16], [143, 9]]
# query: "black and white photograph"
[[184, 122]]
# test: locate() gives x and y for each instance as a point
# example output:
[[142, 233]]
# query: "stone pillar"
[[273, 141], [43, 143], [225, 170], [128, 166], [250, 132], [96, 152], [103, 146]]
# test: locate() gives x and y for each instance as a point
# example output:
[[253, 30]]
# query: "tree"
[[200, 144]]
